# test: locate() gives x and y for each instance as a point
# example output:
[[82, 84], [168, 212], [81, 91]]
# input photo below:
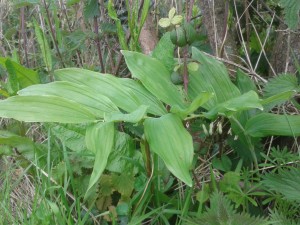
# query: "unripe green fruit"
[[178, 37], [176, 78], [183, 35], [190, 33]]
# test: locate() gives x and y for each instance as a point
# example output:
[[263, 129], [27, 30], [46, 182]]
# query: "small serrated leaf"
[[291, 11], [172, 13], [176, 20], [164, 22]]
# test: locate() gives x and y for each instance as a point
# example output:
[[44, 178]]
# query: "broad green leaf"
[[44, 46], [97, 103], [26, 77], [197, 102], [11, 139], [104, 84], [212, 77], [281, 83], [246, 101], [268, 124], [144, 97], [45, 109], [168, 138], [100, 140], [133, 117], [164, 52], [154, 76]]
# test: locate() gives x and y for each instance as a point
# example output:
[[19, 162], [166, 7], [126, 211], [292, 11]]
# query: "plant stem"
[[249, 142], [23, 32], [98, 44], [71, 30], [52, 33], [148, 159]]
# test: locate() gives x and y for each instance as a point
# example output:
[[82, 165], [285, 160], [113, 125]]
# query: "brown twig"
[[190, 10], [120, 57]]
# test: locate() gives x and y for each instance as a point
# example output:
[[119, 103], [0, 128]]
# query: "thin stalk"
[[148, 159], [251, 147], [185, 70], [23, 32], [98, 43], [53, 33], [189, 10], [71, 30]]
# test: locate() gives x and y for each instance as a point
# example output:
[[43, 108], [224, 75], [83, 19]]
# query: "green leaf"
[[144, 97], [133, 117], [172, 13], [11, 139], [71, 135], [123, 183], [124, 150], [113, 14], [91, 9], [100, 140], [267, 124], [176, 20], [281, 83], [97, 103], [164, 52], [164, 22], [221, 212], [291, 11], [26, 77], [154, 76], [144, 14], [23, 3], [197, 102], [168, 138], [277, 99], [44, 46], [104, 84], [244, 83], [246, 101], [212, 76], [286, 182], [13, 83], [45, 109]]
